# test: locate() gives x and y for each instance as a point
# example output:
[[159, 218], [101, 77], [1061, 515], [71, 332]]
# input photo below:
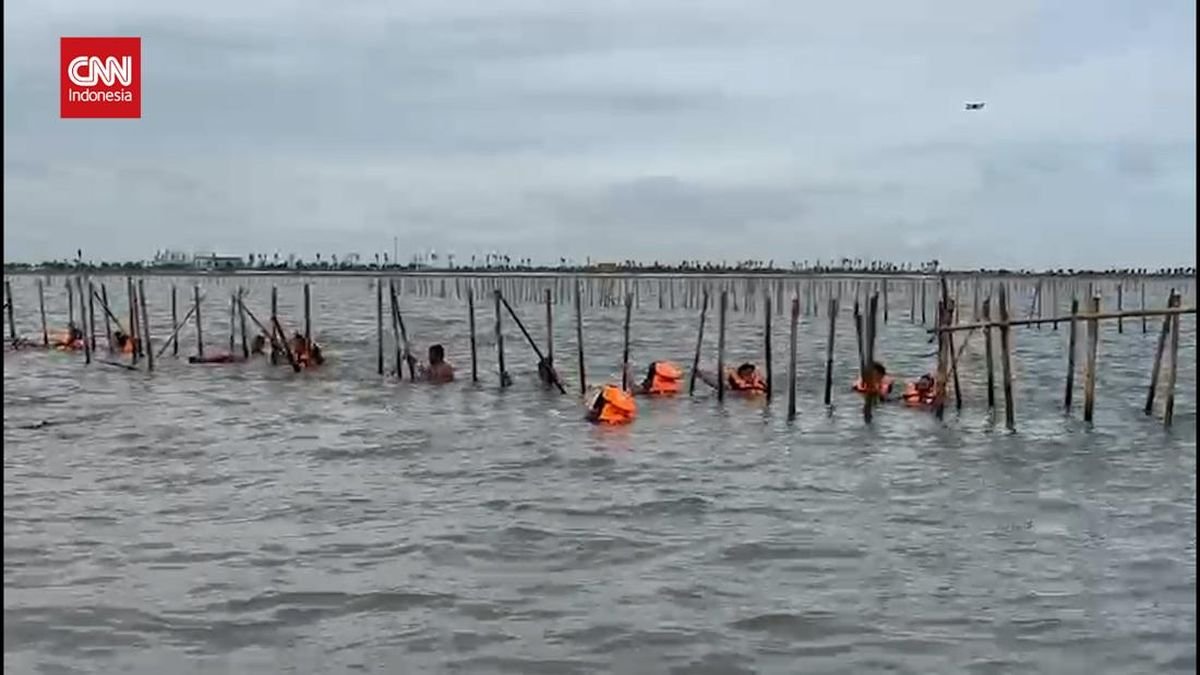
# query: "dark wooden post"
[[833, 312], [767, 345], [146, 325], [791, 411], [625, 349], [1172, 301], [987, 338], [108, 334], [1005, 363], [1089, 377], [199, 325], [1074, 328], [42, 311], [699, 345], [550, 327], [471, 322], [1169, 410], [379, 325], [721, 345], [579, 336], [500, 341], [174, 323]]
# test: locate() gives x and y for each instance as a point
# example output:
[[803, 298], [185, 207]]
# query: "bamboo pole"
[[42, 311], [1005, 363], [500, 341], [232, 321], [87, 345], [1071, 338], [767, 345], [579, 336], [1089, 378], [1172, 300], [146, 326], [942, 367], [12, 325], [1169, 409], [379, 326], [869, 320], [1081, 317], [625, 350], [987, 337], [241, 312], [1120, 307], [135, 351], [91, 315], [952, 309], [274, 316], [833, 312], [923, 303], [550, 327], [532, 344], [885, 300], [199, 324], [471, 322], [699, 345], [174, 332], [70, 302], [1143, 291], [108, 334], [307, 316], [721, 345], [791, 409]]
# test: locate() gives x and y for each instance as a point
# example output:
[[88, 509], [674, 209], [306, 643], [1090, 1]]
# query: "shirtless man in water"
[[438, 370]]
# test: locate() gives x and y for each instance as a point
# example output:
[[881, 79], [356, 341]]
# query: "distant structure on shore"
[[177, 261]]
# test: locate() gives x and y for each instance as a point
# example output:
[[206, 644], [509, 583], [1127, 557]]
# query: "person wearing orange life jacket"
[[307, 354], [883, 383], [922, 393], [745, 380], [611, 405], [663, 378], [124, 343]]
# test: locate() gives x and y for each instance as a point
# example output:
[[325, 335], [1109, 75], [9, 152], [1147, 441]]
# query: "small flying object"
[[976, 106]]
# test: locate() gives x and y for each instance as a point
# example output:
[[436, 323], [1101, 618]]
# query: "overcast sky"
[[649, 129]]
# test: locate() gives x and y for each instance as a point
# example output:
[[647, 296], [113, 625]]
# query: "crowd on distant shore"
[[506, 264]]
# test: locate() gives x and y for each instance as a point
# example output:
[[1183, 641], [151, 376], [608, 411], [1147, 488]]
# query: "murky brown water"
[[243, 519]]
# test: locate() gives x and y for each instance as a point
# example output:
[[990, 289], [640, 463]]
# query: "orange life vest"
[[885, 386], [664, 378], [750, 385], [611, 405], [913, 396]]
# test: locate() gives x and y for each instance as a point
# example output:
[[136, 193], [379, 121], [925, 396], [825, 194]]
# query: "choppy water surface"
[[232, 519]]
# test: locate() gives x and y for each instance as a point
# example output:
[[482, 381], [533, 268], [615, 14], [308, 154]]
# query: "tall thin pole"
[[579, 337], [1089, 378], [87, 344], [471, 321], [1073, 330], [549, 328], [241, 293], [146, 326], [721, 345], [625, 350], [1005, 363], [767, 343], [91, 315], [135, 350], [699, 344], [987, 339], [833, 312], [42, 311], [379, 325], [307, 316], [199, 324], [108, 334], [500, 341], [1172, 301], [1169, 410], [791, 410]]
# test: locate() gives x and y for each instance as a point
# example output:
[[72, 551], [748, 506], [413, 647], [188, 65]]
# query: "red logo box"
[[100, 77]]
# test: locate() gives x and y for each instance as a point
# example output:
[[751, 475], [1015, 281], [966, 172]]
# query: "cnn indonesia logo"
[[100, 77]]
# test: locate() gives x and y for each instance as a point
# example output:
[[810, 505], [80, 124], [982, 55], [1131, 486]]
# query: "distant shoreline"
[[581, 273]]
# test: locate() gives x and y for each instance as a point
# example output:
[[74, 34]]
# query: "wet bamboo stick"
[[869, 380], [1172, 300], [942, 367], [87, 344], [232, 321], [833, 312], [471, 323], [500, 341], [1081, 317], [1071, 349], [199, 324], [1169, 409], [134, 352], [699, 345], [1143, 291], [108, 334], [1120, 307], [379, 326], [791, 410], [987, 337], [550, 328], [1005, 362], [241, 293], [274, 316], [579, 337], [767, 344], [8, 306], [625, 349], [307, 316], [885, 300], [42, 311], [174, 332], [141, 286], [1089, 376], [923, 302], [721, 345], [71, 302]]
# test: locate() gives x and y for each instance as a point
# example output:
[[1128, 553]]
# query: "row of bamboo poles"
[[692, 295]]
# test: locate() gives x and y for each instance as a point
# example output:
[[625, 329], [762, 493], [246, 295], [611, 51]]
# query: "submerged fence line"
[[763, 295]]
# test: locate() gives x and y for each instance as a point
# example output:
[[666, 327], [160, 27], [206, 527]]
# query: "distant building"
[[168, 257], [213, 261]]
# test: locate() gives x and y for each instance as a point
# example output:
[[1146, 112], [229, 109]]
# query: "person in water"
[[921, 393], [70, 339], [437, 371], [610, 405], [745, 379], [307, 353], [125, 344], [877, 379], [663, 378]]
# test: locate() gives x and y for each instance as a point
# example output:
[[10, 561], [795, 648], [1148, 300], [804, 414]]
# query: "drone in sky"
[[976, 106]]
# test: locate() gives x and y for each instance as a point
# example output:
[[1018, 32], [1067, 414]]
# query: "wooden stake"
[[1120, 307], [200, 326], [146, 326], [241, 293], [1089, 376], [1071, 336], [1005, 363], [108, 334], [625, 350], [83, 329], [273, 319], [504, 380], [791, 410], [942, 361], [987, 337], [135, 352], [42, 311], [1169, 410], [550, 327], [885, 300], [1143, 307], [12, 326], [699, 345], [721, 345], [1172, 301], [471, 322], [833, 312], [767, 345], [923, 303], [579, 336], [91, 315], [379, 326], [70, 302], [232, 321], [307, 317]]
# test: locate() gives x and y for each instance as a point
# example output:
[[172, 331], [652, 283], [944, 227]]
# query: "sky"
[[652, 129]]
